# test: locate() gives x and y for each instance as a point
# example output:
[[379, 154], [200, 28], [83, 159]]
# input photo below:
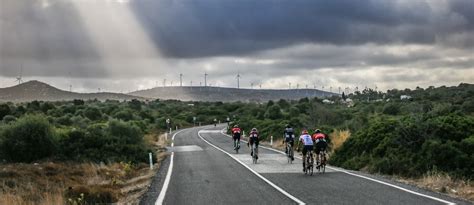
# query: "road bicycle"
[[321, 161], [254, 153], [236, 146], [289, 153], [309, 165]]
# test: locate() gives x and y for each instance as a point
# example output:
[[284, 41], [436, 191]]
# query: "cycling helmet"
[[254, 129], [287, 126], [317, 131], [304, 132], [236, 126]]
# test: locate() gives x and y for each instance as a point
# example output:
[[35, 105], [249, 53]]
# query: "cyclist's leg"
[[304, 157], [256, 146], [251, 146]]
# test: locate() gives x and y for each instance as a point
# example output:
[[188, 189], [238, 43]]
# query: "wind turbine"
[[238, 80], [181, 80], [205, 79], [19, 79]]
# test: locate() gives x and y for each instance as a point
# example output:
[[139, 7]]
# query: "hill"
[[36, 90], [195, 93]]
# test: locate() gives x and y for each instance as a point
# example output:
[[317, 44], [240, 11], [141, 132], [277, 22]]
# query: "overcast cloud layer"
[[124, 45]]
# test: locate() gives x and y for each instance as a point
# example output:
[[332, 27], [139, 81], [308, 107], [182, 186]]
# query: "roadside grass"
[[50, 183], [443, 183]]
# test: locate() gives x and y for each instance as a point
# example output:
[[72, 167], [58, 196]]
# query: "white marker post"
[[171, 129], [151, 160], [176, 127], [271, 141]]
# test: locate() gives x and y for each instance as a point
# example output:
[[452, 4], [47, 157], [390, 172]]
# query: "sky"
[[127, 45]]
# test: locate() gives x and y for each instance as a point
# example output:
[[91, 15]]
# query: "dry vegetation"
[[77, 183], [338, 137], [443, 183]]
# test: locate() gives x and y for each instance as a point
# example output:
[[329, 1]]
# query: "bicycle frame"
[[255, 153]]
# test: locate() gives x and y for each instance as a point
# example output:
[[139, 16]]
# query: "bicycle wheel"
[[255, 155], [311, 165], [290, 158], [324, 162]]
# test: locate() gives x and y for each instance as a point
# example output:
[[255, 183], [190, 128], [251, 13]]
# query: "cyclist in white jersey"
[[308, 143]]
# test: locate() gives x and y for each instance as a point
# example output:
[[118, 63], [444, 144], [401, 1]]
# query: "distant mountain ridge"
[[36, 90], [195, 93]]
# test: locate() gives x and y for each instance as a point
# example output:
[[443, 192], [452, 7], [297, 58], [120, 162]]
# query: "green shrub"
[[5, 110], [92, 113], [8, 119], [28, 139], [391, 109]]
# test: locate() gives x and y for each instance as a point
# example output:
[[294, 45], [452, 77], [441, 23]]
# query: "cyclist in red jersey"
[[320, 140], [236, 133]]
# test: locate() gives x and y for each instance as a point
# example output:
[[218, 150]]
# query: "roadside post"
[[151, 160], [168, 124], [271, 141], [194, 121]]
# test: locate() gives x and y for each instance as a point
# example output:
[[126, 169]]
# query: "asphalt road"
[[206, 170]]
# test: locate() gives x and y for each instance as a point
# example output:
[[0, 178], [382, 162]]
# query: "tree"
[[391, 109], [92, 113], [30, 138], [4, 110], [274, 112], [135, 104]]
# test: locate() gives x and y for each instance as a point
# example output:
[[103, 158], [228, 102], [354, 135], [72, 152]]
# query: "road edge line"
[[253, 171], [365, 177], [164, 188]]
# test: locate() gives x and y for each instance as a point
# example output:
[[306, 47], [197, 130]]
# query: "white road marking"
[[256, 173], [162, 195], [187, 148], [364, 177], [397, 187]]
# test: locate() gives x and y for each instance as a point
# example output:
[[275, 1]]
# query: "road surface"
[[205, 170]]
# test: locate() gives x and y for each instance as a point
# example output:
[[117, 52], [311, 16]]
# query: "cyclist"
[[289, 135], [253, 138], [308, 143], [236, 136], [320, 140]]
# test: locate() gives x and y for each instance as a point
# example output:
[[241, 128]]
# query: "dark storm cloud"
[[268, 40], [52, 40], [227, 27]]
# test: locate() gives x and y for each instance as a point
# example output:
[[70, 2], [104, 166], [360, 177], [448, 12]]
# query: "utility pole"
[[181, 80]]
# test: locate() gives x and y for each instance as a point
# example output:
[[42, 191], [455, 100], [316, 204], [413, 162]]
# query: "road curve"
[[204, 174]]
